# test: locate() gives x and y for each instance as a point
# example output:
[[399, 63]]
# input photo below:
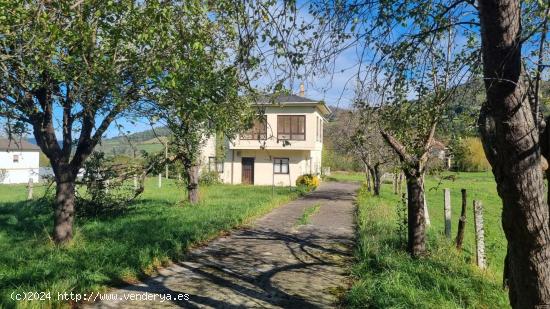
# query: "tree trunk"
[[193, 184], [511, 142], [416, 222], [394, 183], [377, 180], [461, 222], [367, 175], [375, 173], [64, 211]]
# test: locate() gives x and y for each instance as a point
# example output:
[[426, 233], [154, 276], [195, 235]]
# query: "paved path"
[[275, 263]]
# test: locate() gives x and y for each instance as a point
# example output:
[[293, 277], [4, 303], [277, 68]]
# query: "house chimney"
[[302, 90]]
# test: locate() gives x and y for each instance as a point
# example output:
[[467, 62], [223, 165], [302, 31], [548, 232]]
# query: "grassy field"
[[387, 277], [107, 252]]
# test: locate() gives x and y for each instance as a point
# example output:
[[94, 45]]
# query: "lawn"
[[387, 277], [112, 251]]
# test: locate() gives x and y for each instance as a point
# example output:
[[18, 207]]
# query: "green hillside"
[[148, 141]]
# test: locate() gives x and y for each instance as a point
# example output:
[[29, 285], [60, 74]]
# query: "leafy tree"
[[199, 92], [69, 69]]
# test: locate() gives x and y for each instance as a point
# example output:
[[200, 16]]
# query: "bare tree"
[[510, 130], [367, 143], [510, 35]]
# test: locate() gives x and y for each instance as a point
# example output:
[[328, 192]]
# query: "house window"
[[319, 129], [15, 158], [280, 166], [291, 128], [258, 130], [215, 165]]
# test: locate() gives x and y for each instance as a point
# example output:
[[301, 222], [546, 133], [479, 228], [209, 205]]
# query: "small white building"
[[284, 145], [19, 161]]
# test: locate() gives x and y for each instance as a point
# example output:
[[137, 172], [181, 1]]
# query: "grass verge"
[[386, 277], [112, 251]]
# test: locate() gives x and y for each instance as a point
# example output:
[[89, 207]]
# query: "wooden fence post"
[[29, 194], [394, 183], [447, 209], [107, 186], [480, 237], [461, 222], [426, 212], [160, 180], [135, 182]]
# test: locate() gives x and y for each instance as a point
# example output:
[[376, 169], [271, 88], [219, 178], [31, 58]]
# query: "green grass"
[[386, 277], [345, 176], [308, 212], [107, 252]]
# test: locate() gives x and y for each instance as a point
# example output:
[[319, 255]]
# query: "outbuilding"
[[19, 161]]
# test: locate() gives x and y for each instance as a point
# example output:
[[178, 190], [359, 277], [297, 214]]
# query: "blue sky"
[[336, 88]]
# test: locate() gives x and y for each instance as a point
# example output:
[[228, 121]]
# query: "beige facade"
[[286, 148]]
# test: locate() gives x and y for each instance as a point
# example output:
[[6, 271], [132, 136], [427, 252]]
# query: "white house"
[[284, 145], [19, 161]]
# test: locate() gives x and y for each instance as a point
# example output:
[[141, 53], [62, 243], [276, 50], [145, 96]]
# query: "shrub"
[[435, 165], [108, 191], [208, 178], [308, 181], [470, 156]]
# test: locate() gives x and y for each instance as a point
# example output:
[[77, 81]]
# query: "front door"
[[248, 171]]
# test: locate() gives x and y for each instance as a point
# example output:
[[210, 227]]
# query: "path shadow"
[[222, 265]]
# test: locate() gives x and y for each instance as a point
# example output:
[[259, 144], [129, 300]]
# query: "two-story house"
[[284, 143], [19, 161]]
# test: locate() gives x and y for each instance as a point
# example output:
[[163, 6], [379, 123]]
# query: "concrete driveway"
[[279, 262]]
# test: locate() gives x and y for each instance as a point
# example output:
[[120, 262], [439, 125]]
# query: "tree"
[[510, 129], [511, 37], [432, 74], [337, 153], [69, 69], [199, 92], [367, 144]]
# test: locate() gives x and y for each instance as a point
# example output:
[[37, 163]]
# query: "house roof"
[[437, 145], [13, 145], [294, 100]]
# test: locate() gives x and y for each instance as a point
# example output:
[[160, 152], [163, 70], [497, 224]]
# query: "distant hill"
[[149, 141], [142, 136]]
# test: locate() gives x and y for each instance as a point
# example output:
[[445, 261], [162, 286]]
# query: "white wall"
[[305, 156], [20, 172], [271, 112], [263, 166]]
